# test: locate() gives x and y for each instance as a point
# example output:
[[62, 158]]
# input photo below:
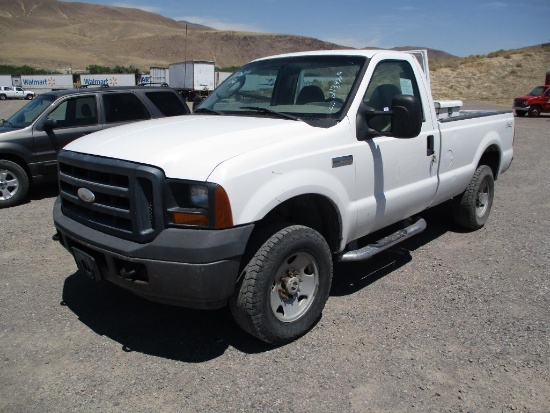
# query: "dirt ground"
[[449, 321]]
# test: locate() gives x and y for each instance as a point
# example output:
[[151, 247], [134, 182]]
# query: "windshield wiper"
[[5, 122], [271, 112], [207, 110]]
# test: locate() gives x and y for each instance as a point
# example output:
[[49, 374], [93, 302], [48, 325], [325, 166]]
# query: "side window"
[[73, 112], [390, 78], [167, 102], [124, 107]]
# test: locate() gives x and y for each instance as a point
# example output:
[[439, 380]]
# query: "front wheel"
[[29, 97], [14, 183], [284, 287], [534, 112], [471, 210]]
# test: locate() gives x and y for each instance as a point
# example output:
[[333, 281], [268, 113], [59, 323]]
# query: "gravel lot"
[[449, 321]]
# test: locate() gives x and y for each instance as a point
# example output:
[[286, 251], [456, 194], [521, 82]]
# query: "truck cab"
[[533, 103]]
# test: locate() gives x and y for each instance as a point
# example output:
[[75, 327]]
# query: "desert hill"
[[51, 34]]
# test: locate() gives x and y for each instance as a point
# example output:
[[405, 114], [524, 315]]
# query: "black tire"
[[2, 97], [14, 184], [520, 113], [471, 210], [29, 97], [534, 112], [284, 286]]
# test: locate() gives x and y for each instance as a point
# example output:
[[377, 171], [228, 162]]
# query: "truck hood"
[[526, 97], [189, 146], [5, 129]]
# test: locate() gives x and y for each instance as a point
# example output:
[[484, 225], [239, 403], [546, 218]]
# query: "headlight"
[[198, 195], [203, 205]]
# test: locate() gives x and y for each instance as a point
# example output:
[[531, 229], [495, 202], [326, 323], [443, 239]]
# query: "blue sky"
[[459, 27]]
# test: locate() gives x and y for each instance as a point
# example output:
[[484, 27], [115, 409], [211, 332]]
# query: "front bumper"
[[522, 108], [184, 267]]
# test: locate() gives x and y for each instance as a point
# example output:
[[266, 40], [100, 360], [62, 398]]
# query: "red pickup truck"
[[534, 103]]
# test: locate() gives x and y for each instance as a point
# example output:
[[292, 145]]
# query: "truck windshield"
[[304, 87], [28, 113], [539, 90]]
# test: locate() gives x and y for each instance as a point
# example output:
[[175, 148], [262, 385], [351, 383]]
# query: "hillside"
[[52, 35], [497, 77]]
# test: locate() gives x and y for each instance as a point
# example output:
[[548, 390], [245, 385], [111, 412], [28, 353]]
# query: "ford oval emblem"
[[86, 195]]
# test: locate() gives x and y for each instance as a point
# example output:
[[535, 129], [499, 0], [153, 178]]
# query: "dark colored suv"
[[31, 138]]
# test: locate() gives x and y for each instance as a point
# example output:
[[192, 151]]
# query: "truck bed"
[[464, 139]]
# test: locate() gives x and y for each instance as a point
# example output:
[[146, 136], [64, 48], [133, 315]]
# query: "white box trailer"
[[5, 80], [196, 75], [221, 76], [157, 76], [108, 80], [43, 83]]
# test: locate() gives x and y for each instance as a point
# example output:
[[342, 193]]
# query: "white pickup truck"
[[294, 161], [15, 92]]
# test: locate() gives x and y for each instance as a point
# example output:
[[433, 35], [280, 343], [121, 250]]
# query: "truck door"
[[68, 120], [18, 93], [546, 104], [400, 176]]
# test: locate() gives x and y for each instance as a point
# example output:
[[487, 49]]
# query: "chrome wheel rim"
[[9, 185], [482, 201]]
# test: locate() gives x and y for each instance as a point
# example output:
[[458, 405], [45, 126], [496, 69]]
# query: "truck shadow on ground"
[[352, 277], [196, 336]]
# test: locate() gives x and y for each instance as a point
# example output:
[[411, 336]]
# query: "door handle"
[[430, 147]]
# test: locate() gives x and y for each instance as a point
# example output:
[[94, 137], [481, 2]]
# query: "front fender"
[[13, 150], [252, 201]]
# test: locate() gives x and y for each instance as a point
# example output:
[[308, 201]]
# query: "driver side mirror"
[[404, 120], [49, 125]]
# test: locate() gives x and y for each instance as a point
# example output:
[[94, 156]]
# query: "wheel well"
[[491, 158], [314, 211], [19, 161]]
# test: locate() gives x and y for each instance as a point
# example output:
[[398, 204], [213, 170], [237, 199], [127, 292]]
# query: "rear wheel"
[[284, 286], [14, 183], [534, 112], [471, 210]]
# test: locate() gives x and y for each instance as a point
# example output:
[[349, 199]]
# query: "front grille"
[[127, 196], [520, 103]]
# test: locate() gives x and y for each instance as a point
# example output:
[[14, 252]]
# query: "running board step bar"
[[382, 244]]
